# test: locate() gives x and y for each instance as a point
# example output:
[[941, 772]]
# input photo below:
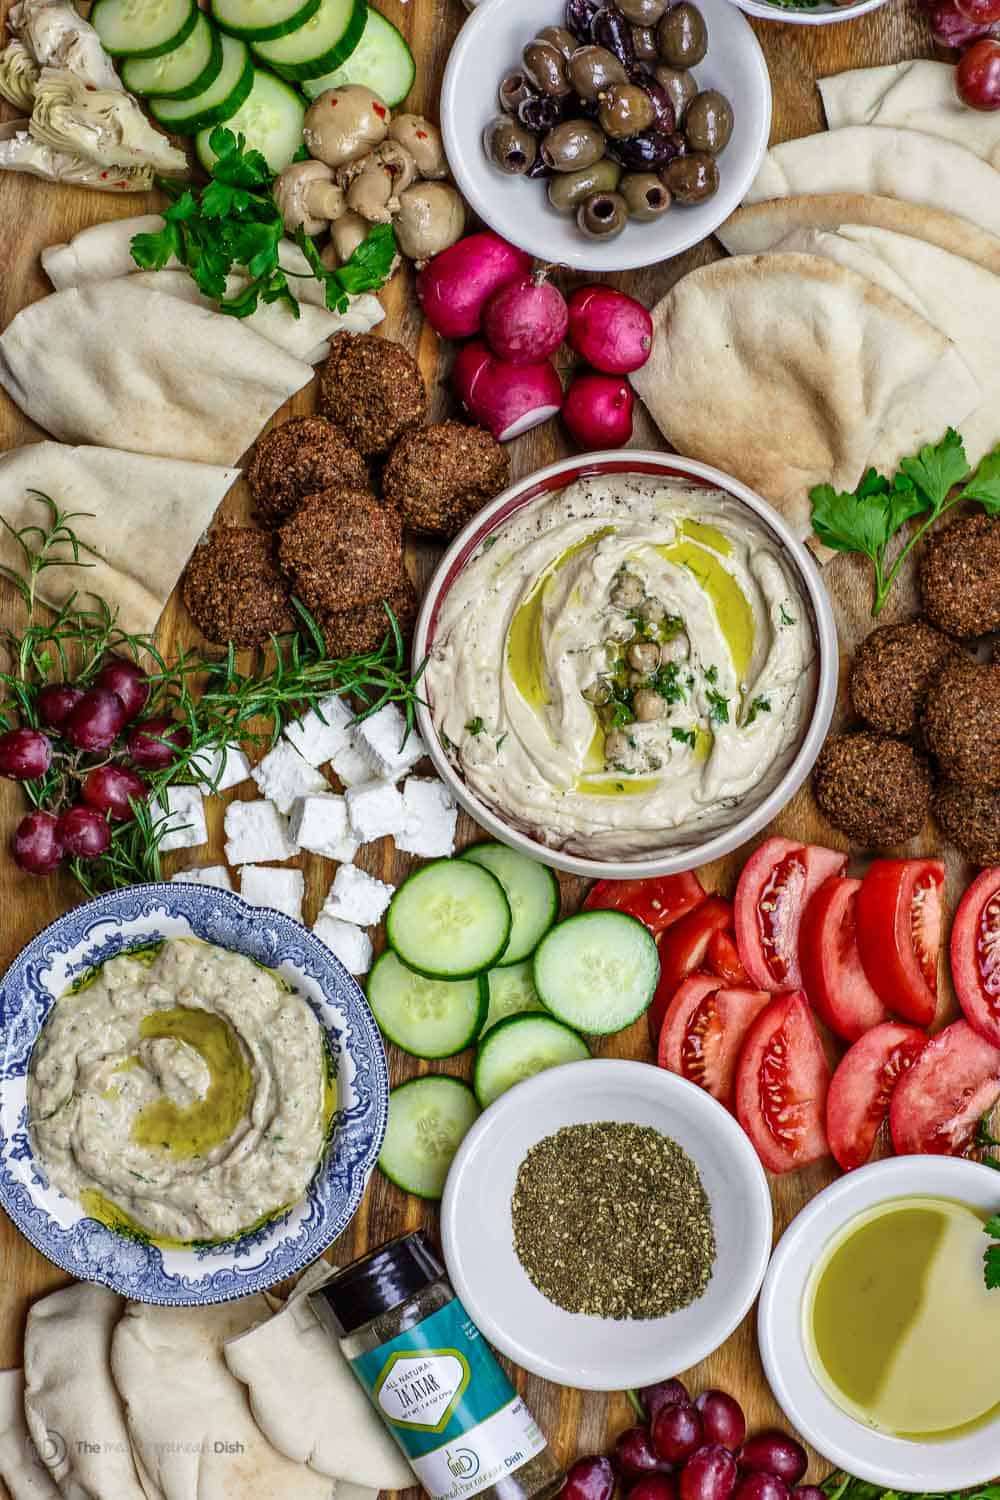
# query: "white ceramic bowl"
[[828, 13], [602, 1354], [491, 41], [753, 814], [894, 1463]]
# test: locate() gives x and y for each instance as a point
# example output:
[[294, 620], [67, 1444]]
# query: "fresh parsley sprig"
[[840, 1486]]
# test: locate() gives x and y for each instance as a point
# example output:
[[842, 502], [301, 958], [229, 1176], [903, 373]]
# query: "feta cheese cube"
[[374, 809], [352, 764], [319, 824], [185, 814], [255, 833], [216, 875], [282, 889], [431, 818], [220, 768], [283, 776], [382, 736], [316, 741], [350, 944], [358, 897]]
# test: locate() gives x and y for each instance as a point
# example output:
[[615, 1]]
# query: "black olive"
[[539, 168], [679, 86], [579, 17], [666, 117], [515, 87], [647, 48], [653, 148], [539, 113], [611, 30]]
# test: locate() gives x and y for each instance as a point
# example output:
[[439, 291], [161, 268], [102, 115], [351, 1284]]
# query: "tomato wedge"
[[704, 1029], [723, 958], [862, 1087], [898, 920], [938, 1104], [682, 950], [772, 893], [975, 954], [782, 1079], [657, 903], [832, 975]]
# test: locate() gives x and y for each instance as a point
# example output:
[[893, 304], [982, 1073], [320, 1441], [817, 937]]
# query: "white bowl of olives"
[[605, 136]]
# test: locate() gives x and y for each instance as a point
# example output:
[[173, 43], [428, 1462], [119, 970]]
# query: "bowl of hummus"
[[631, 665], [193, 1094]]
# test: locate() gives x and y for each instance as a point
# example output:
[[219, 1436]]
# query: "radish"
[[612, 332], [526, 320], [598, 411], [454, 287], [508, 399]]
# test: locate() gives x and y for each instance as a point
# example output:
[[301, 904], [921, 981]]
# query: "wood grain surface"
[[34, 214]]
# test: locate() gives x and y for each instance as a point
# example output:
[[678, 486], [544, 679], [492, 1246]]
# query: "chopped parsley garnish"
[[624, 770], [501, 739], [667, 683], [490, 541], [475, 726], [991, 1256], [758, 706], [711, 674], [786, 618], [684, 737], [718, 707], [447, 743]]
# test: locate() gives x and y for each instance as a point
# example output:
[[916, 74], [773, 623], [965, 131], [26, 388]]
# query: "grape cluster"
[[973, 28]]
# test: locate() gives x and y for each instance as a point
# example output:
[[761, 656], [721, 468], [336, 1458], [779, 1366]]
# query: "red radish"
[[612, 332], [525, 320], [598, 411], [455, 286], [508, 399]]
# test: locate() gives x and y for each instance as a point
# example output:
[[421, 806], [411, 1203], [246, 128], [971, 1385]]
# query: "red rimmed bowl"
[[753, 812]]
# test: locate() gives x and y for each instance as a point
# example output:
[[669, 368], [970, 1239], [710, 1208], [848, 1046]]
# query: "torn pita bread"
[[761, 226], [21, 1466], [917, 95], [788, 371], [118, 496]]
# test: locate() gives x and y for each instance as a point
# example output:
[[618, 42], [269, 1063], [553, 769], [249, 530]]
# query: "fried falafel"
[[234, 589], [971, 820], [302, 456], [372, 389], [874, 789], [341, 549], [960, 576], [439, 476], [892, 670], [364, 628], [961, 720]]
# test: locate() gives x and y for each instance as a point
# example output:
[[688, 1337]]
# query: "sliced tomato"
[[975, 954], [723, 958], [898, 919], [832, 974], [704, 1029], [772, 893], [862, 1087], [682, 950], [940, 1101], [782, 1078], [657, 903]]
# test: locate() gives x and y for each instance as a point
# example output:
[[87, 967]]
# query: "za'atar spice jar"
[[433, 1378]]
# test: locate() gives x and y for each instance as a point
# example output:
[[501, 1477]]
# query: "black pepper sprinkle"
[[612, 1219]]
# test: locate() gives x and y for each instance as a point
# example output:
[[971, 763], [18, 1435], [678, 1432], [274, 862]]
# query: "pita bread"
[[904, 164], [918, 95], [788, 372], [21, 1467], [124, 367], [118, 493]]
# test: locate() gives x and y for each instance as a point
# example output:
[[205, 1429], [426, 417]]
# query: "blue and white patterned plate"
[[134, 918]]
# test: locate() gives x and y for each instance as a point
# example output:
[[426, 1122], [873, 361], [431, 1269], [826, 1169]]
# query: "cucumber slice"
[[382, 61], [426, 1017], [270, 117], [450, 920], [531, 889], [597, 971], [262, 20], [127, 29], [520, 1047], [182, 74], [218, 102], [428, 1120], [320, 44], [511, 991]]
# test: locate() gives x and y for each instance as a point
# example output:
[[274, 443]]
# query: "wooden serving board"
[[34, 214]]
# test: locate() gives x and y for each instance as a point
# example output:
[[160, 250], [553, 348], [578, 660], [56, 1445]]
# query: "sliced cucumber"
[[597, 971], [532, 890], [426, 1017], [320, 44], [450, 920], [270, 117], [520, 1047], [218, 102], [262, 20], [511, 991], [382, 61], [144, 30], [182, 74], [428, 1120]]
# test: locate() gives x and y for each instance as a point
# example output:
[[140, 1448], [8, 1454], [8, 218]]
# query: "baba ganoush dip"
[[179, 1092], [621, 662]]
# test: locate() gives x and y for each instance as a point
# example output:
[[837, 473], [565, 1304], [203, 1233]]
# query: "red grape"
[[84, 832], [774, 1453], [129, 681], [146, 747], [977, 77], [96, 721], [56, 702], [590, 1478], [654, 1398], [709, 1474], [654, 1487], [37, 846], [985, 12], [677, 1432], [636, 1456], [762, 1487], [107, 789], [950, 28], [722, 1419], [24, 754]]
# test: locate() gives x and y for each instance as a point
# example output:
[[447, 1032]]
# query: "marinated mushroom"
[[345, 123], [431, 217], [370, 193], [307, 196], [423, 141], [346, 234]]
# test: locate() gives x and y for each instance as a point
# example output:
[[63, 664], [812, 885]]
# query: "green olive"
[[509, 146], [573, 144], [692, 178], [544, 65], [569, 189], [645, 195], [625, 110], [603, 215], [644, 40], [683, 36], [592, 70], [560, 38], [642, 12], [515, 87], [679, 86], [708, 123]]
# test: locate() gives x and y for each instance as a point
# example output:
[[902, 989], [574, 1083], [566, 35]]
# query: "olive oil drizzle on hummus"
[[192, 1130]]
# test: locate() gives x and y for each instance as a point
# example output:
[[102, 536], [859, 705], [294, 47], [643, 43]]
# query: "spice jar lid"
[[381, 1280]]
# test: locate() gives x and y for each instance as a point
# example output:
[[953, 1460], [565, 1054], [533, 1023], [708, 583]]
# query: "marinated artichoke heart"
[[19, 152], [102, 125], [18, 75], [58, 37]]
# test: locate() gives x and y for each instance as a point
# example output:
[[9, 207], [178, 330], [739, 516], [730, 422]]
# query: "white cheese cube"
[[431, 818], [220, 768], [352, 764], [283, 776], [216, 875], [185, 814], [319, 824], [350, 944], [358, 897], [316, 741], [383, 734], [282, 889], [255, 833], [375, 808]]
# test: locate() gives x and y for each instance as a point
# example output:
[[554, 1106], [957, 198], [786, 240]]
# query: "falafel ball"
[[960, 576], [302, 456], [971, 820], [893, 668], [371, 388], [874, 789], [363, 629], [962, 723], [340, 549], [234, 589], [439, 476]]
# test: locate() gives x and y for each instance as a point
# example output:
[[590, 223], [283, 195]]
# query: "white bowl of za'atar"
[[631, 664]]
